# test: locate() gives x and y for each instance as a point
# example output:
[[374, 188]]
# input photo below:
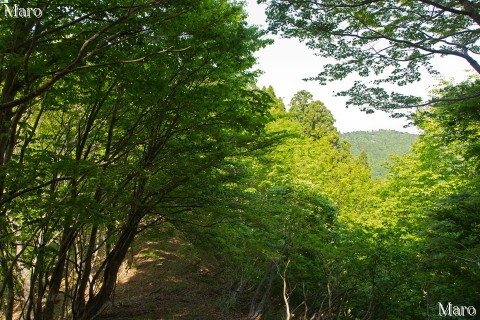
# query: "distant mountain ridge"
[[379, 145]]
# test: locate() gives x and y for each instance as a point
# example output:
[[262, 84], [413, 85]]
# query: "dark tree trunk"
[[57, 275], [113, 262], [258, 309]]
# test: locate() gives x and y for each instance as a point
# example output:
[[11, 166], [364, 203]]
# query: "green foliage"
[[305, 212], [434, 193], [113, 119], [378, 146], [316, 120], [392, 41], [125, 118]]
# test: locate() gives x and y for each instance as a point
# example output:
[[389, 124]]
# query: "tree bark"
[[114, 261], [57, 275], [257, 309]]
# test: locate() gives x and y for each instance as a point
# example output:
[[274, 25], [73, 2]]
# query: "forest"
[[129, 122], [379, 146]]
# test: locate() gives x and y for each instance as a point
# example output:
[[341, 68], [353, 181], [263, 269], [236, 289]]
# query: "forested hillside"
[[139, 159], [379, 145]]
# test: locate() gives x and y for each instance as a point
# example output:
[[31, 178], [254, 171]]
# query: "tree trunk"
[[115, 258], [113, 262], [285, 296], [79, 303], [257, 310], [57, 275], [8, 282]]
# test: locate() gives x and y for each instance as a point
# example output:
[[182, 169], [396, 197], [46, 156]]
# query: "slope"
[[379, 145], [168, 280]]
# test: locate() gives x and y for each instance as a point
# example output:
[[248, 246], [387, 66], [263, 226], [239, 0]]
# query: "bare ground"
[[168, 282]]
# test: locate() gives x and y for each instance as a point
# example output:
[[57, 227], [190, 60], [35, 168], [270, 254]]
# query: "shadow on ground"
[[165, 283]]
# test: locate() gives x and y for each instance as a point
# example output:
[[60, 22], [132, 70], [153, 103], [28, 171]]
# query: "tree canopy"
[[378, 146], [389, 41], [110, 114], [120, 122], [316, 120], [435, 191]]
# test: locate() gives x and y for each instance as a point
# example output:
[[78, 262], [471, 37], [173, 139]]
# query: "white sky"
[[287, 62]]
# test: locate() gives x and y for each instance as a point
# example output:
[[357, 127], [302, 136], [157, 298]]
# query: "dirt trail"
[[165, 284]]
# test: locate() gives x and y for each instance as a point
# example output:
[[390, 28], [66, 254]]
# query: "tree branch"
[[75, 65], [22, 192], [445, 8]]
